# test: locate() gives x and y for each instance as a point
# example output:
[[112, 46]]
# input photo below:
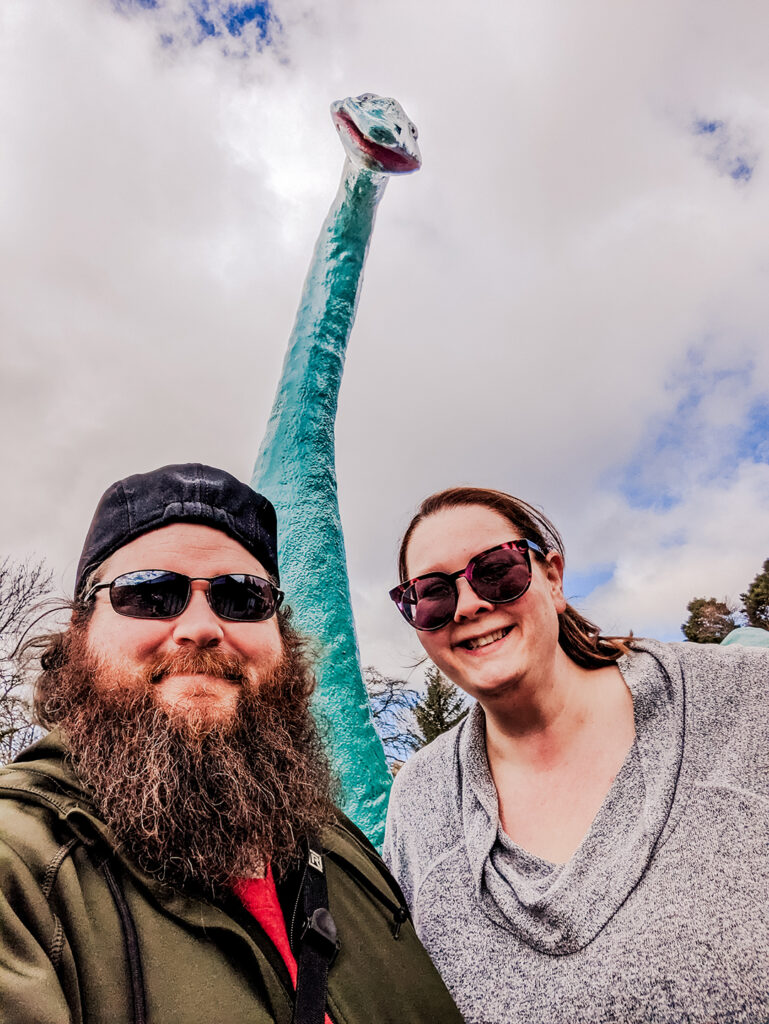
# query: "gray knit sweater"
[[661, 915]]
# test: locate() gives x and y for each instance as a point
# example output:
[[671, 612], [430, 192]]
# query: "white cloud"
[[712, 545]]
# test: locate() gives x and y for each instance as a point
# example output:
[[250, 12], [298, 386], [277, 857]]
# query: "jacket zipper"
[[299, 894]]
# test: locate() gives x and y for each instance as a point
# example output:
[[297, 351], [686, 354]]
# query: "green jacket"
[[81, 927]]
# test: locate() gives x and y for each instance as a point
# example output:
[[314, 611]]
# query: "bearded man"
[[170, 851]]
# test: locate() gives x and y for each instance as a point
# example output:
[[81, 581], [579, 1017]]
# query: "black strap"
[[318, 944]]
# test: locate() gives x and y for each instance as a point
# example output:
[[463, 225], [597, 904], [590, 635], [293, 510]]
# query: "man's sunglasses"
[[159, 594], [499, 575]]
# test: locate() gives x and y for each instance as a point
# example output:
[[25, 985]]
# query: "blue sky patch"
[[695, 442], [726, 149], [753, 444], [253, 21], [122, 5], [577, 585], [707, 127], [217, 18], [207, 27], [640, 492], [741, 171], [258, 14]]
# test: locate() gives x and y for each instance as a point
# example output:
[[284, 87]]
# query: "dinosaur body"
[[295, 467]]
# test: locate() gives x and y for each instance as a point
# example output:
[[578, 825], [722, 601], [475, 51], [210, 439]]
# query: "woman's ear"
[[554, 573]]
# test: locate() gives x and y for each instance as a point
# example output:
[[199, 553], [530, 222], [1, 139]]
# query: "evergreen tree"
[[441, 707], [709, 620], [756, 599]]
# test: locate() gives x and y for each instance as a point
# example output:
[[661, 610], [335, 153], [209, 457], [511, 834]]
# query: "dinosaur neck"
[[306, 399], [295, 468]]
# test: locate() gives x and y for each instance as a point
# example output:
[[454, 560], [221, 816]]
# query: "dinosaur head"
[[377, 133]]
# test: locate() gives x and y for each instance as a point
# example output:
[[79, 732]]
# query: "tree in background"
[[22, 586], [392, 708], [709, 621], [441, 707], [756, 599], [407, 720]]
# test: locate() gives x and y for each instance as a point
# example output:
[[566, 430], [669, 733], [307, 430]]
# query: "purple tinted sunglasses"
[[499, 575]]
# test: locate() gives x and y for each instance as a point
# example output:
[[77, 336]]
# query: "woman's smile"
[[482, 642]]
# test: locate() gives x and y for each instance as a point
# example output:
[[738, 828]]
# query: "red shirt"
[[260, 898]]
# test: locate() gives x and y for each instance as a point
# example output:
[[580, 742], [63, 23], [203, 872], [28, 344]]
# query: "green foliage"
[[441, 707], [709, 621], [756, 599], [406, 720]]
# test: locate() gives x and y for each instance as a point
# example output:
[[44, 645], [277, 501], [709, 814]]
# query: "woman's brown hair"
[[580, 639]]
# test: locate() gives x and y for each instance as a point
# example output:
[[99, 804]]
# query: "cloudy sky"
[[573, 290]]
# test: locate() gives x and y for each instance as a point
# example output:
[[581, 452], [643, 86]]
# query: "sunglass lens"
[[500, 575], [150, 594], [430, 603], [242, 598]]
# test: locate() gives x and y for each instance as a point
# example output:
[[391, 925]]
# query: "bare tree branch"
[[392, 708], [23, 585]]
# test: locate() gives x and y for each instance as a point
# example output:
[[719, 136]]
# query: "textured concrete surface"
[[296, 469]]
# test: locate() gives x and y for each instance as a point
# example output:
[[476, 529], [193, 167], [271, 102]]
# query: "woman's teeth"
[[483, 641]]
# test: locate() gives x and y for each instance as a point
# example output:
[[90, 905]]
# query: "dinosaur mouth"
[[393, 161]]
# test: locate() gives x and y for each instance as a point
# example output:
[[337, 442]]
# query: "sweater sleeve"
[[729, 692], [32, 950], [395, 843], [421, 818]]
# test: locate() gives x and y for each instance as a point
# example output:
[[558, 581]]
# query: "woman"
[[591, 842]]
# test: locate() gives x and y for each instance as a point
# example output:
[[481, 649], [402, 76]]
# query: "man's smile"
[[197, 680]]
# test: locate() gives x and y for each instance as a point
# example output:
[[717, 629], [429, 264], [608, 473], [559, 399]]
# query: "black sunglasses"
[[499, 575], [160, 594]]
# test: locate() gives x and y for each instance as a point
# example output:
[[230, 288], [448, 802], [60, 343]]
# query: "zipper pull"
[[400, 915]]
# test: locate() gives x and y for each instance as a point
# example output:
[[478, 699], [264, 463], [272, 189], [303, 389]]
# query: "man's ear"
[[95, 576], [554, 573]]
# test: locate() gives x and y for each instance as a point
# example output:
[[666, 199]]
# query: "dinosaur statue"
[[295, 467], [747, 636]]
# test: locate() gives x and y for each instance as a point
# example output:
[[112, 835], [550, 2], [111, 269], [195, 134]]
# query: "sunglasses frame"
[[526, 546], [277, 594]]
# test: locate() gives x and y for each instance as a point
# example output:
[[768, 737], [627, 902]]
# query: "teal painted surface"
[[747, 636], [296, 467]]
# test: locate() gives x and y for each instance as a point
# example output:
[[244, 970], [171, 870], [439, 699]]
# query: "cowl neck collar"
[[559, 909]]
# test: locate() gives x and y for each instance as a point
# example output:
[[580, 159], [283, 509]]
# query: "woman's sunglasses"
[[499, 575], [159, 594]]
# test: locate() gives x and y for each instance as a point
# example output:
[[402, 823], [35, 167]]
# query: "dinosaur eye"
[[365, 97], [398, 128], [413, 130]]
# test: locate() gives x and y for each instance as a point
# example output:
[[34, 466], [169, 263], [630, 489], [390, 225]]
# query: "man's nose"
[[198, 624], [468, 602]]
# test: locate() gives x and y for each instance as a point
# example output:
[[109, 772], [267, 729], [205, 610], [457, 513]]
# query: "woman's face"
[[523, 634]]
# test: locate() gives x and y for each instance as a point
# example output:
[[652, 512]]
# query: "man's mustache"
[[195, 661]]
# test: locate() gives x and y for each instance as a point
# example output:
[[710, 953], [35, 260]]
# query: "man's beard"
[[197, 802]]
